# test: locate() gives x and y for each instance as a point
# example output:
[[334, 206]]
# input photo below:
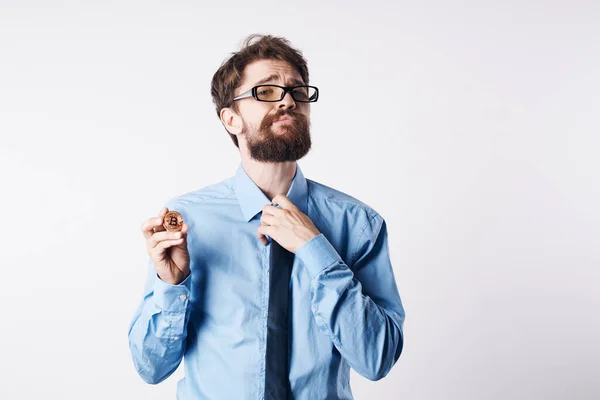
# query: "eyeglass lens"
[[275, 93]]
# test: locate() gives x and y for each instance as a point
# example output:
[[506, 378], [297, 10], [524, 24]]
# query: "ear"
[[232, 122]]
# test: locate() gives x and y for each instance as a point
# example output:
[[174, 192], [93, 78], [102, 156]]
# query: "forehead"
[[261, 69]]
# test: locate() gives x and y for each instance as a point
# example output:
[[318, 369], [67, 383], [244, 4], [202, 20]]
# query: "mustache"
[[300, 120], [281, 113]]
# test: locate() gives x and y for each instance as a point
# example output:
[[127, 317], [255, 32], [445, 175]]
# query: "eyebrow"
[[275, 76]]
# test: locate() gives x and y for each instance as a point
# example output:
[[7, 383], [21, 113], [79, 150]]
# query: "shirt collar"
[[252, 199]]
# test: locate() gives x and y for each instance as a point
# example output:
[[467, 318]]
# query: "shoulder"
[[323, 194], [333, 203], [208, 194], [354, 217]]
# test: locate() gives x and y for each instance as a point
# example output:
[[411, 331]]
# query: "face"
[[273, 131]]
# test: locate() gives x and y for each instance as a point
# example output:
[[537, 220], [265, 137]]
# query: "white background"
[[471, 127]]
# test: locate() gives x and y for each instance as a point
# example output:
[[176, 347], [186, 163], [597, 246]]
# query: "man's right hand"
[[167, 250]]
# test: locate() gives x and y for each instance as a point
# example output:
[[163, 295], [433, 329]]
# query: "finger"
[[162, 236], [161, 220], [272, 210], [283, 201], [153, 225], [262, 238], [184, 229], [165, 244], [264, 230], [268, 220]]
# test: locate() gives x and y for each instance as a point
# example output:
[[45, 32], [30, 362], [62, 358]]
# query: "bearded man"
[[276, 285]]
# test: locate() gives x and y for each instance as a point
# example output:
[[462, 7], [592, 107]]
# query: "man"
[[276, 284]]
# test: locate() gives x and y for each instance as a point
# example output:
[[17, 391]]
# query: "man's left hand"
[[288, 226]]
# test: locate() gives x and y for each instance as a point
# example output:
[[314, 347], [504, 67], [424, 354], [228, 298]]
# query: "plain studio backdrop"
[[472, 128]]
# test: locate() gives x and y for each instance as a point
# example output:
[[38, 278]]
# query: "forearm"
[[368, 335], [157, 334]]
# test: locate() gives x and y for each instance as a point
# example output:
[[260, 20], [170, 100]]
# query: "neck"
[[271, 178]]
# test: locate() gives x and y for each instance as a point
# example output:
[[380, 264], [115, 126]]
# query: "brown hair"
[[229, 75]]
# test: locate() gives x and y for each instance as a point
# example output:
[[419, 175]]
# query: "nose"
[[287, 102]]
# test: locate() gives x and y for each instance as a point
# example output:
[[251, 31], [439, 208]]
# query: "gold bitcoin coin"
[[173, 221]]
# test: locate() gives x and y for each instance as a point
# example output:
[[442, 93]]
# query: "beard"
[[291, 142]]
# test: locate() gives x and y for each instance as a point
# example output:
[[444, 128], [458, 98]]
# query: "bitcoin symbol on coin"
[[173, 221]]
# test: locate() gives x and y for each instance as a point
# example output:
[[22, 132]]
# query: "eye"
[[300, 93], [265, 91]]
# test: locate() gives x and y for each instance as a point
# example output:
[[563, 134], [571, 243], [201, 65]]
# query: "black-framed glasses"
[[273, 93]]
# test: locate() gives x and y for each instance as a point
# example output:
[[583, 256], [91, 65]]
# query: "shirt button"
[[182, 297], [176, 338]]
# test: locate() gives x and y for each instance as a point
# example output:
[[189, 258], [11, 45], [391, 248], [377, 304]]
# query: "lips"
[[286, 118]]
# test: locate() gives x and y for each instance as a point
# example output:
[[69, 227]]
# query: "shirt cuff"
[[317, 254], [173, 298]]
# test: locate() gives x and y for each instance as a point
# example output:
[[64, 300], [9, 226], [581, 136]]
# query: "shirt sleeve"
[[359, 309], [157, 332]]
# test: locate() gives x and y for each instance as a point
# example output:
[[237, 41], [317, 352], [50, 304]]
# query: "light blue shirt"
[[345, 306]]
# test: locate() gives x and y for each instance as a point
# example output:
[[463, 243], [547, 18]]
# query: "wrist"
[[175, 280]]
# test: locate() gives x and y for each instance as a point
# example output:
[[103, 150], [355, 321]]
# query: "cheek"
[[303, 108], [306, 112], [254, 114]]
